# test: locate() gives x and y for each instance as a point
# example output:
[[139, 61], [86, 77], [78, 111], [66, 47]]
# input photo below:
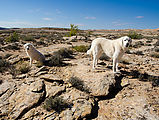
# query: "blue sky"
[[87, 14]]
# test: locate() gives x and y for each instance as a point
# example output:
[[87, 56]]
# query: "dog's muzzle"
[[127, 45], [27, 47]]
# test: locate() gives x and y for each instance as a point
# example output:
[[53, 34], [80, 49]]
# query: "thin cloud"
[[117, 23], [47, 19], [58, 11], [34, 10], [139, 17], [90, 18]]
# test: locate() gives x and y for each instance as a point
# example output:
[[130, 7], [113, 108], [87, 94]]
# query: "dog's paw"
[[117, 72]]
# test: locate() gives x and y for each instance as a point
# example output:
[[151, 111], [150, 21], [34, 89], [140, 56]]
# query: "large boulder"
[[98, 83]]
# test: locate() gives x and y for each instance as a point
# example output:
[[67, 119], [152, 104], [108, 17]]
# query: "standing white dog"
[[33, 53], [112, 48]]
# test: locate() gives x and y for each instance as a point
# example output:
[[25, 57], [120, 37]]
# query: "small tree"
[[74, 30]]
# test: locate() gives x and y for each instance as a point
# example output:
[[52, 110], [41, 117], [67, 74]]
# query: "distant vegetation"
[[134, 35], [81, 48]]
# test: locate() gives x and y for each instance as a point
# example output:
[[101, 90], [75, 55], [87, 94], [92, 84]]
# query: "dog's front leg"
[[94, 61], [117, 62], [114, 64], [31, 61]]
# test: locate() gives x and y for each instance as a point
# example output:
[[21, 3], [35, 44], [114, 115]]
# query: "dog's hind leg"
[[94, 59], [95, 54]]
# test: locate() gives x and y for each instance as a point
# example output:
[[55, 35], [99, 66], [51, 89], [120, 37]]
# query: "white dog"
[[112, 48], [33, 53]]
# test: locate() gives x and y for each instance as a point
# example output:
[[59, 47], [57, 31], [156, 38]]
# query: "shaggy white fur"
[[33, 53], [112, 48]]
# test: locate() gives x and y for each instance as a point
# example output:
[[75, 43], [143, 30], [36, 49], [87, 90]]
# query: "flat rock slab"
[[130, 103], [26, 98]]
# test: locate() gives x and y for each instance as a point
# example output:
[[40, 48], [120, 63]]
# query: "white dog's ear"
[[122, 42]]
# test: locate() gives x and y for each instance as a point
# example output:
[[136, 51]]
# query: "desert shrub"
[[104, 57], [28, 38], [157, 43], [134, 35], [78, 84], [55, 60], [65, 53], [22, 67], [81, 48], [155, 55], [12, 38], [4, 65], [56, 103]]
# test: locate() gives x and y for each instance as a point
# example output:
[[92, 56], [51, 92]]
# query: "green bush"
[[81, 48], [12, 38], [134, 35], [73, 31], [56, 103]]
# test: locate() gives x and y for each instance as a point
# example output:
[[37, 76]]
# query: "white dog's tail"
[[89, 52]]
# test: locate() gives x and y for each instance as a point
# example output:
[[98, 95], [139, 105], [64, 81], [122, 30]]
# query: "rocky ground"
[[69, 89]]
